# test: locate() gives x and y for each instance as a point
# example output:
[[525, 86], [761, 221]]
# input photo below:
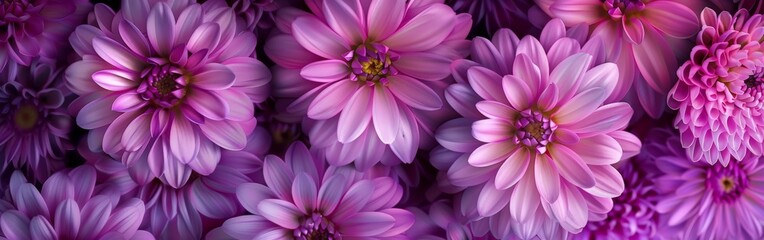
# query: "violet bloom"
[[706, 201], [69, 208], [536, 140], [169, 84], [495, 15], [303, 199], [367, 74], [638, 31], [634, 215], [718, 94], [254, 14], [34, 125], [31, 29]]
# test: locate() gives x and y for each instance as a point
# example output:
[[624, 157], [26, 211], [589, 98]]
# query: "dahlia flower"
[[169, 85], [440, 222], [536, 140], [494, 15], [638, 31], [34, 125], [718, 94], [30, 29], [707, 201], [367, 75], [633, 215], [303, 199], [254, 14], [69, 208]]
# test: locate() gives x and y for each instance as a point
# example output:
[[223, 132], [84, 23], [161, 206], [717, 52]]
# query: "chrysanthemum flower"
[[638, 31], [707, 201], [303, 199], [495, 15], [31, 29], [69, 208], [718, 94], [634, 215], [367, 74], [543, 139], [34, 125], [170, 84]]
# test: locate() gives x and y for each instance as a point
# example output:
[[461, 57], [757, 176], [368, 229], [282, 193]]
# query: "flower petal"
[[384, 18], [491, 130], [672, 18], [184, 140], [115, 80], [571, 166], [345, 18], [517, 92], [207, 103], [278, 176], [385, 115], [304, 193], [491, 153], [330, 193], [424, 66], [250, 194], [634, 30], [15, 225], [211, 203], [355, 116], [214, 76], [136, 135], [414, 93], [547, 178], [605, 119], [367, 224], [40, 228], [318, 38], [580, 106], [513, 168], [424, 31], [117, 55], [95, 213], [280, 212], [325, 71], [160, 28], [491, 200], [599, 150]]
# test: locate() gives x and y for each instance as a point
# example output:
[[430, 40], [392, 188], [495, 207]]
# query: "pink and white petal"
[[346, 18], [15, 225], [672, 18], [385, 115], [136, 135], [207, 103], [571, 166], [278, 177], [249, 72], [160, 28], [580, 106], [208, 158], [128, 102], [424, 31], [655, 61], [492, 130], [211, 203], [526, 70], [250, 194], [633, 29], [226, 134], [424, 66], [184, 140], [496, 110], [282, 49], [316, 37], [547, 178], [599, 150], [355, 116], [568, 75], [491, 153], [304, 193], [525, 198], [354, 200], [571, 209], [214, 76], [115, 80], [513, 169], [605, 119], [329, 102], [630, 144], [330, 193], [485, 53], [188, 21], [95, 214], [280, 212], [367, 224], [553, 30], [325, 71], [404, 220], [491, 200], [531, 47], [246, 226], [609, 182], [578, 12], [205, 36], [486, 83], [117, 55], [604, 76], [384, 18], [79, 76], [97, 113], [240, 109], [518, 94], [407, 140], [414, 93], [561, 50]]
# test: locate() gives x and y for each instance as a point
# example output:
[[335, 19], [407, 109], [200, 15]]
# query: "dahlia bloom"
[[303, 199], [638, 31], [707, 201], [168, 84], [69, 208], [634, 215], [34, 125], [442, 222], [367, 75], [718, 94], [495, 15], [253, 14], [30, 29], [536, 140]]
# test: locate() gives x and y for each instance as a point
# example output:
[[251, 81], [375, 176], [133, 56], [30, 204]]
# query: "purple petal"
[[325, 71], [184, 140], [424, 66], [40, 228], [15, 225], [251, 194], [160, 28], [304, 193], [117, 55], [424, 31], [244, 227], [571, 166], [367, 224], [332, 100], [207, 103], [95, 214], [214, 76], [318, 38], [330, 193], [385, 115], [278, 176], [115, 80], [384, 18], [226, 134], [280, 212], [355, 116], [414, 93], [210, 203], [345, 18], [206, 36]]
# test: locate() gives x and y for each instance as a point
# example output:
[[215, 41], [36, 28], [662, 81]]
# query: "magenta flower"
[[169, 84], [707, 201], [544, 138], [69, 208], [367, 74], [253, 14], [638, 31], [30, 29], [495, 15], [305, 200], [718, 94], [34, 125]]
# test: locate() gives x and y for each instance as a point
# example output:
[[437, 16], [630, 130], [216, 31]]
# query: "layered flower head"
[[719, 90], [30, 29], [34, 125], [636, 33], [707, 201], [170, 83], [70, 207], [543, 137], [305, 200], [494, 15], [367, 73]]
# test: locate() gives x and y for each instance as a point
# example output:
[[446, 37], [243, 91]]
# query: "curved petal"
[[329, 102], [95, 213], [304, 193], [672, 18], [214, 76], [160, 28], [211, 203], [15, 225], [280, 212], [634, 30], [577, 12], [67, 219], [655, 61], [517, 93], [385, 115], [115, 80], [580, 106], [136, 135], [207, 103], [599, 150], [184, 140], [128, 102], [414, 93], [366, 224], [547, 178], [426, 30], [117, 55], [278, 177], [244, 227], [424, 66], [384, 18], [318, 38], [491, 153], [40, 228], [251, 194], [325, 71], [571, 166], [491, 130], [205, 36], [491, 200], [513, 169], [346, 18], [226, 134], [605, 119], [330, 193], [355, 116]]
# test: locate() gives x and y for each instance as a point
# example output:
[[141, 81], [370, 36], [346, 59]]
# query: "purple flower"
[[69, 208], [537, 138], [367, 75], [718, 94], [30, 29], [170, 85], [706, 201], [34, 125], [302, 199], [495, 15], [253, 14]]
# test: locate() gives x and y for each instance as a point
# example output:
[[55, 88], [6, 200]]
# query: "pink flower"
[[718, 94], [536, 139], [706, 201], [70, 207], [638, 32], [367, 75], [169, 85], [303, 199]]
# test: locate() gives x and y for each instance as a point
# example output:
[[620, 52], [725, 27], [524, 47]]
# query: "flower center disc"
[[618, 8], [728, 183], [26, 117], [371, 63], [164, 85], [534, 130], [316, 227]]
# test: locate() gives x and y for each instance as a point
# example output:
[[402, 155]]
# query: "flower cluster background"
[[381, 119]]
